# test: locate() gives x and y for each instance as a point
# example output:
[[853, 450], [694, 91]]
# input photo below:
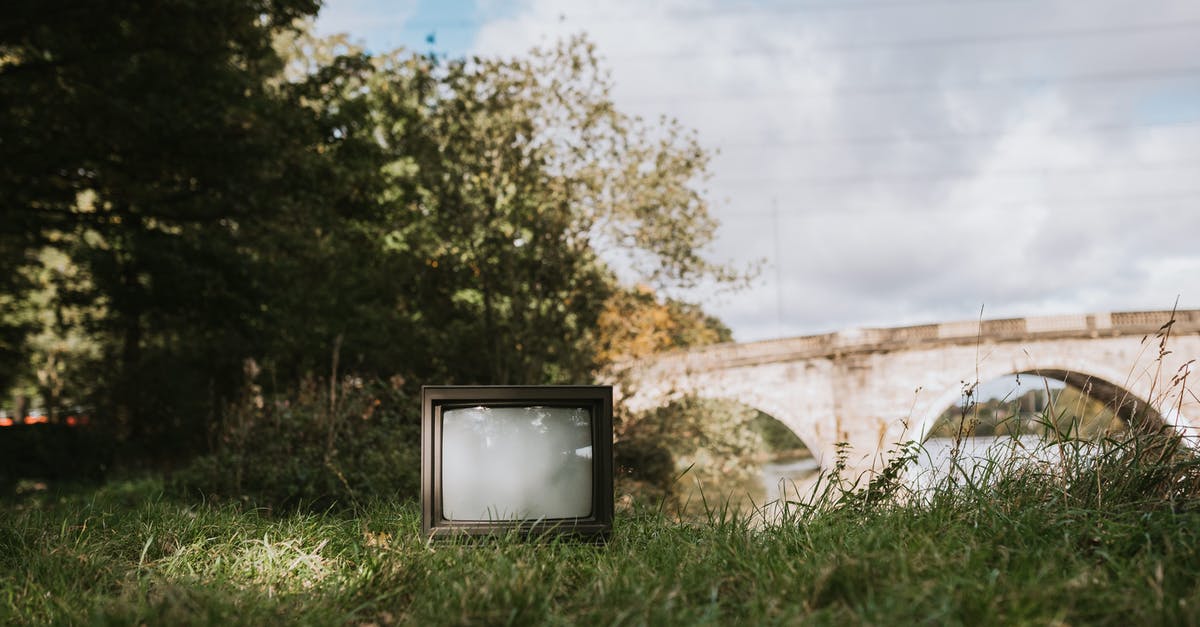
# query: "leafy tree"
[[472, 248], [524, 183], [635, 323], [502, 190], [1066, 411], [141, 138], [714, 440], [218, 205], [15, 323]]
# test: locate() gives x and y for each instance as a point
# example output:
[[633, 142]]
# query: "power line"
[[778, 264], [826, 6], [957, 40], [1097, 129], [832, 6], [906, 177], [1110, 76], [1055, 200]]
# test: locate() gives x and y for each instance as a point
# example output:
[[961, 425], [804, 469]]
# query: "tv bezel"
[[436, 399]]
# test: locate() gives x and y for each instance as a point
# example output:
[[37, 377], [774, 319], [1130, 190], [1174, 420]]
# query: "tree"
[[519, 183], [635, 324], [141, 139], [325, 211], [489, 197]]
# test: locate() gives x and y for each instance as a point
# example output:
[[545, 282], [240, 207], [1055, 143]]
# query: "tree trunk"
[[128, 418]]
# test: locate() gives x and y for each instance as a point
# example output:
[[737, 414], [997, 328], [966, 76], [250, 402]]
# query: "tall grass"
[[1113, 539], [1104, 532]]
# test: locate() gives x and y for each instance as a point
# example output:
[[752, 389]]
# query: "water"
[[975, 456], [936, 452], [793, 479], [782, 478]]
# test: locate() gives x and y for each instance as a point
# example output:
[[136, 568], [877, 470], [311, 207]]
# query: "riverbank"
[[1118, 546]]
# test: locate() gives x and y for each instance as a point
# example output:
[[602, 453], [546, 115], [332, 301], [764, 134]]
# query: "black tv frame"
[[436, 399]]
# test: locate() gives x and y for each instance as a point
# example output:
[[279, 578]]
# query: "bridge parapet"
[[1188, 318], [1002, 328], [871, 387], [884, 339]]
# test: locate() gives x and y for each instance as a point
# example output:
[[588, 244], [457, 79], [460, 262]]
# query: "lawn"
[[1118, 545]]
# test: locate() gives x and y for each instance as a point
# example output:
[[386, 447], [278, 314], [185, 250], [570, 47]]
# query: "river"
[[780, 479], [793, 479]]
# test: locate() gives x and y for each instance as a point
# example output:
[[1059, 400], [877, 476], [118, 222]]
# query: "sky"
[[893, 162]]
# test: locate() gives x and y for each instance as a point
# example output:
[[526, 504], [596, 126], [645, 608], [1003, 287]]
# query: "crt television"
[[535, 460]]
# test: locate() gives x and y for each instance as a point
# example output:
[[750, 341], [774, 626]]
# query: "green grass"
[[1115, 540]]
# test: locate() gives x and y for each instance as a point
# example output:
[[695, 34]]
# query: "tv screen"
[[535, 459]]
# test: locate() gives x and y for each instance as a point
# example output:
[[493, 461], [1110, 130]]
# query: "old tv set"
[[535, 460]]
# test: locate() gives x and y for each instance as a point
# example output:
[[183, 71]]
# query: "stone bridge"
[[874, 388]]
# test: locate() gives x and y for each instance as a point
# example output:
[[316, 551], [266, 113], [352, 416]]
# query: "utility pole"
[[778, 270]]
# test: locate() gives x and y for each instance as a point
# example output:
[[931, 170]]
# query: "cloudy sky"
[[898, 161]]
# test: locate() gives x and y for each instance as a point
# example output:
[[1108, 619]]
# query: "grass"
[[1113, 539]]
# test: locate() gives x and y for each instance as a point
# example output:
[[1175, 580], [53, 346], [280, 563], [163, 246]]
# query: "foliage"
[[53, 452], [666, 451], [15, 322], [1067, 411], [58, 351], [635, 323], [509, 177], [777, 437], [1109, 542], [210, 184], [702, 437], [321, 446], [142, 142]]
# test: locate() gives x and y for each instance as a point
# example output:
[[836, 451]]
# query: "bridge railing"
[[828, 344], [1004, 327], [1126, 319]]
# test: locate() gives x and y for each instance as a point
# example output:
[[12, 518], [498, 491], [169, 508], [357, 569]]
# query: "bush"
[[320, 446], [665, 452], [53, 452]]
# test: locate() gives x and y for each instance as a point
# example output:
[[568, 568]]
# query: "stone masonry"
[[874, 388]]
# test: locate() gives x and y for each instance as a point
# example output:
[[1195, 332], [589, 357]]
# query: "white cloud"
[[926, 159]]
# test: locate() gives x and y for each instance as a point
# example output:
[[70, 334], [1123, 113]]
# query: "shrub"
[[664, 453], [317, 447], [53, 452]]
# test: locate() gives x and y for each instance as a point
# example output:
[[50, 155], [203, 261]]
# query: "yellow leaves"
[[401, 168], [85, 201], [633, 325], [154, 224], [370, 410], [381, 540], [468, 298], [396, 241], [9, 57]]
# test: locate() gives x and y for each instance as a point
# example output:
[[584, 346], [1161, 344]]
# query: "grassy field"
[[1116, 540]]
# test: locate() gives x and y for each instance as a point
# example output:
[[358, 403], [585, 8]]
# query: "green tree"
[[317, 211], [141, 138], [714, 440], [518, 183], [472, 251]]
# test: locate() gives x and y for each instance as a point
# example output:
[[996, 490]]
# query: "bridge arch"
[[1131, 400], [859, 392], [772, 407]]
